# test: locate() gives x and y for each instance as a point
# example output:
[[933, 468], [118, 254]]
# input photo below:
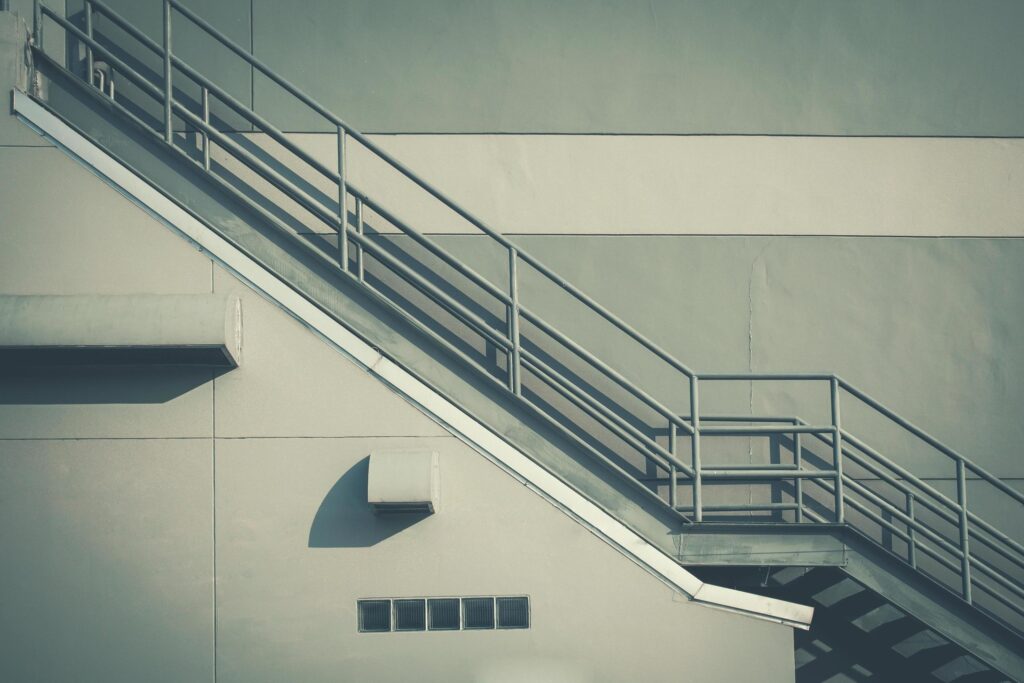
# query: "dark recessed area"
[[477, 613], [374, 616], [513, 612], [410, 615], [443, 614]]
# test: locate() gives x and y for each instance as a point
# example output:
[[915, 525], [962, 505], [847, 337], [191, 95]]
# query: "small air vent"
[[410, 615], [374, 616], [443, 614], [477, 613], [513, 613]]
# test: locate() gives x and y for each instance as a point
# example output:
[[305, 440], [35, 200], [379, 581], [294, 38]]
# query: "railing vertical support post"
[[206, 136], [911, 535], [698, 506], [514, 365], [837, 449], [168, 87], [361, 230], [342, 201], [673, 473], [961, 499], [37, 24], [88, 48], [798, 460]]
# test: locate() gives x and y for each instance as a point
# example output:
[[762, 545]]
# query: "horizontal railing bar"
[[754, 473], [766, 430], [613, 374], [932, 441], [740, 507], [440, 297], [907, 520], [766, 466], [744, 418], [998, 576], [641, 442], [764, 376]]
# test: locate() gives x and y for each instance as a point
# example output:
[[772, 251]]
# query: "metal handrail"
[[844, 489]]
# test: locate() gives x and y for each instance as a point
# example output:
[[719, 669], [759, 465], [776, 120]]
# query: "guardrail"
[[535, 354]]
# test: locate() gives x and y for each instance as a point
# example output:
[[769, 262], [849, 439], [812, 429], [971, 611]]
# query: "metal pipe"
[[206, 120], [965, 561], [911, 533], [673, 475], [361, 230], [759, 473], [573, 346], [168, 88], [514, 370], [799, 483], [342, 202], [698, 512], [88, 32], [765, 377], [837, 449], [37, 24], [640, 441], [765, 430]]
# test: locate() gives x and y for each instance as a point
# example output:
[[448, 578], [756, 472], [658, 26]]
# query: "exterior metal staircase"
[[837, 490]]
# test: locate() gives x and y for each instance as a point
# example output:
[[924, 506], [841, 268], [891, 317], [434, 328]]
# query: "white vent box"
[[403, 481]]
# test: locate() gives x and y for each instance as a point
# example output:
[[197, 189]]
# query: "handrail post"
[[961, 499], [206, 120], [837, 449], [911, 535], [698, 507], [168, 88], [514, 364], [88, 48], [798, 460], [673, 473], [361, 230], [342, 200], [37, 24]]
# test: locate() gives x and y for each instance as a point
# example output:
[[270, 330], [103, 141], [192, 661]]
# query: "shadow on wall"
[[344, 518], [85, 385]]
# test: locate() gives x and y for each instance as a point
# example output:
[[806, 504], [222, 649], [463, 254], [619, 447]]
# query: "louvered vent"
[[477, 613], [513, 613], [410, 615], [374, 616], [443, 614]]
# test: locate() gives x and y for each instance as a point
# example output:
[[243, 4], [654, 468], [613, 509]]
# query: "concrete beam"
[[178, 329]]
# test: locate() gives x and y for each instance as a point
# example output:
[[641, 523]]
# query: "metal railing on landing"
[[941, 534]]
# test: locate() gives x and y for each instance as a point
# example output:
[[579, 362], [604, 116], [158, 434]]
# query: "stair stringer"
[[419, 394], [842, 546]]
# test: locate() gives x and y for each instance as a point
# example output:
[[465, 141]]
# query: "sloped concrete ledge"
[[185, 329]]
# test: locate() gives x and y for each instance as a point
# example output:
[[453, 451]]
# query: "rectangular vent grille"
[[443, 614], [477, 613], [513, 613], [374, 616], [384, 615], [410, 615]]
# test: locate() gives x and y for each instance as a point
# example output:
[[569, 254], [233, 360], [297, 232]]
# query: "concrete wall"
[[172, 526], [916, 67]]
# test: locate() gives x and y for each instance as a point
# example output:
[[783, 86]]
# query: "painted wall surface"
[[917, 67], [172, 526]]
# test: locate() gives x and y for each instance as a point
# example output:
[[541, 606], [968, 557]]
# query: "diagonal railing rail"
[[834, 475]]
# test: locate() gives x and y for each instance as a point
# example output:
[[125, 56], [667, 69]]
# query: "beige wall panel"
[[105, 572], [287, 611], [290, 383], [623, 184]]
